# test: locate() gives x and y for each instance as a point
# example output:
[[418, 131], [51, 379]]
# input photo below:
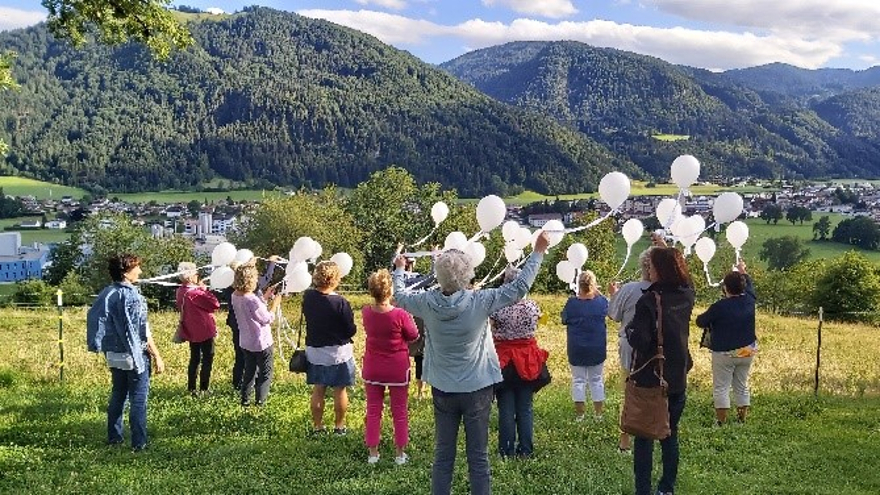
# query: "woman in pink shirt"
[[386, 364], [255, 333], [197, 305]]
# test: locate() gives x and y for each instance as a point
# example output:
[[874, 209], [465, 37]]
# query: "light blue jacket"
[[459, 353]]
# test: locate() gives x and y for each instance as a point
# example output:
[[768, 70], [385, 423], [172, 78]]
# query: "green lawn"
[[20, 186], [52, 436], [29, 236], [639, 188], [671, 137]]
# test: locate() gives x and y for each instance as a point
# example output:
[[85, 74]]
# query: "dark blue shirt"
[[587, 335], [731, 321]]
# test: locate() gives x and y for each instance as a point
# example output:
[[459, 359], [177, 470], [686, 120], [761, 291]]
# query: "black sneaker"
[[340, 431]]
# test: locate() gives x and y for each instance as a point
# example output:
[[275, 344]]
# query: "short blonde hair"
[[326, 275], [246, 277], [379, 285], [587, 282]]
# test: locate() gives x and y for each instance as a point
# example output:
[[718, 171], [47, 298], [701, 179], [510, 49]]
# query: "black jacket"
[[731, 320], [677, 303]]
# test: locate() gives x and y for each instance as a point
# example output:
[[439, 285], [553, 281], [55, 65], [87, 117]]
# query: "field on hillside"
[[165, 197], [639, 188], [30, 236], [52, 437], [21, 186]]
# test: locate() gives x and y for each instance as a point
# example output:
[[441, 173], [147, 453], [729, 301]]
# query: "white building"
[[10, 242], [56, 224]]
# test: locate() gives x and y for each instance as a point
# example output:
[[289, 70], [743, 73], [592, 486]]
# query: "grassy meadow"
[[21, 186], [639, 188], [52, 437]]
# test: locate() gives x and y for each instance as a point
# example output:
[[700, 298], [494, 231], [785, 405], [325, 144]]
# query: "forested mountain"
[[626, 101], [801, 83], [272, 97]]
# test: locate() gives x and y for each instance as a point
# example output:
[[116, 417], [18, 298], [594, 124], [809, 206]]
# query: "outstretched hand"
[[542, 243], [399, 261]]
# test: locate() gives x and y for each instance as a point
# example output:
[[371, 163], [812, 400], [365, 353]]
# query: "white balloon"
[[577, 254], [685, 171], [297, 266], [298, 280], [243, 255], [614, 188], [455, 240], [555, 231], [344, 261], [477, 253], [302, 249], [632, 231], [523, 238], [680, 227], [691, 230], [509, 230], [316, 251], [705, 249], [566, 271], [223, 254], [512, 253], [728, 206], [439, 212], [737, 234], [668, 211], [490, 212], [222, 277]]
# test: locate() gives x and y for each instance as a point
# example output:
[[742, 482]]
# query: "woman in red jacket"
[[386, 364], [197, 305]]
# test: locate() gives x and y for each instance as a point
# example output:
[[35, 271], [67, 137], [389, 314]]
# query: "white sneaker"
[[401, 459], [373, 459], [579, 418]]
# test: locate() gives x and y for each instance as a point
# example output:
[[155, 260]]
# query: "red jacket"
[[197, 304], [527, 357], [386, 357]]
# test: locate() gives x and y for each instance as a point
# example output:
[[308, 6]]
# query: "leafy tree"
[[117, 21], [859, 231], [798, 214], [98, 238], [273, 226], [849, 289], [10, 207], [6, 82], [822, 228], [33, 292], [390, 208], [781, 253], [771, 213], [789, 290], [194, 207]]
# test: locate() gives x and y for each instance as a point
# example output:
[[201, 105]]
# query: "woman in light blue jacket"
[[460, 360]]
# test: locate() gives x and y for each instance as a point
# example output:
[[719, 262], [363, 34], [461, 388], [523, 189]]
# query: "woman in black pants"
[[670, 279]]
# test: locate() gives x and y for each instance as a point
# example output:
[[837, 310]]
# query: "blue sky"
[[712, 34]]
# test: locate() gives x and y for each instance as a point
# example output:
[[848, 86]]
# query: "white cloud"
[[841, 20], [388, 4], [707, 49], [215, 11], [554, 9], [12, 18]]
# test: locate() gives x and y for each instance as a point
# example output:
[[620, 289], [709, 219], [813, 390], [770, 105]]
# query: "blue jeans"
[[134, 387], [643, 453], [515, 417], [449, 411], [257, 372]]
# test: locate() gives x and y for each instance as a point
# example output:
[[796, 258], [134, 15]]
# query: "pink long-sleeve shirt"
[[254, 320], [386, 359]]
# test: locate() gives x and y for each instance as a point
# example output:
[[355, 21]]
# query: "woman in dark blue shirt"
[[586, 343], [731, 323]]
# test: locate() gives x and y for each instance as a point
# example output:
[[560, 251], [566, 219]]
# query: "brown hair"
[[246, 277], [734, 283], [326, 275], [670, 267], [121, 264], [379, 285]]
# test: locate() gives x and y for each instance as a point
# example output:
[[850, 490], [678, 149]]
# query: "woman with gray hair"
[[460, 361], [197, 326], [621, 309]]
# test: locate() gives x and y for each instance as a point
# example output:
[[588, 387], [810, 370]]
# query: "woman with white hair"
[[621, 309], [197, 326], [460, 360]]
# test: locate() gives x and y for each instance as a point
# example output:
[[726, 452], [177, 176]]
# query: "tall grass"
[[52, 436]]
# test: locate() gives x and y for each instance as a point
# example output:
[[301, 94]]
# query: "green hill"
[[267, 97], [622, 99]]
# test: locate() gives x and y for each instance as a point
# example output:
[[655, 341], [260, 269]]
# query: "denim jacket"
[[125, 325]]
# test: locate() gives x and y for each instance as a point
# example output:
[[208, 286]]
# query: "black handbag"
[[706, 338], [298, 361]]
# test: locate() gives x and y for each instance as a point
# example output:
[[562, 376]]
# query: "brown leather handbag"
[[646, 409]]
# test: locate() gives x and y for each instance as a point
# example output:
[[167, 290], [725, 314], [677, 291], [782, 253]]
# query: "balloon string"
[[517, 265], [708, 277], [625, 260], [481, 282], [423, 239], [170, 275], [582, 227]]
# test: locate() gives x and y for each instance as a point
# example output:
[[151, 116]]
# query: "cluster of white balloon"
[[222, 255]]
